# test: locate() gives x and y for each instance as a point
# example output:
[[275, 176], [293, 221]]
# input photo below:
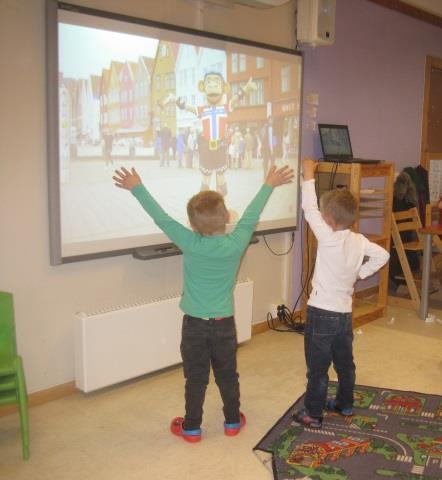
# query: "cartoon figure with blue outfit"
[[212, 143]]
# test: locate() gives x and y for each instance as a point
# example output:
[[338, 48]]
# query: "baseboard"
[[262, 327], [367, 292], [43, 396], [60, 391]]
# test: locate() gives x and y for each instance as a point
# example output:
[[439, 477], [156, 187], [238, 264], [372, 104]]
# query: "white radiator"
[[131, 340]]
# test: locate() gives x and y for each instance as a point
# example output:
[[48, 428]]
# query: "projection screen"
[[130, 92]]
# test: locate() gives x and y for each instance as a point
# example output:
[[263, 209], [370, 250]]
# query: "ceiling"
[[431, 10], [430, 6]]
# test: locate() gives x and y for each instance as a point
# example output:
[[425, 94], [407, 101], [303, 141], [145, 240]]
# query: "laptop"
[[336, 145]]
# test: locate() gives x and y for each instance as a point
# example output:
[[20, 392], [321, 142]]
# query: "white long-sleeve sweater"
[[339, 258]]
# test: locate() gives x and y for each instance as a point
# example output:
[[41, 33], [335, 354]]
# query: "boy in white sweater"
[[339, 263]]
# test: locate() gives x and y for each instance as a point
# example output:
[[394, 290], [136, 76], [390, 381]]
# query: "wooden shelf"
[[376, 238], [365, 208], [372, 192], [372, 200], [381, 191], [371, 216], [366, 313]]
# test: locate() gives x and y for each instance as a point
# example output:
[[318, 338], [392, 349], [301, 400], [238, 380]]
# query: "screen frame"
[[52, 104]]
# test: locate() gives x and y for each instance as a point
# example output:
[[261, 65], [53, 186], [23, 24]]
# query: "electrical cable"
[[283, 253], [286, 316], [294, 323], [333, 175]]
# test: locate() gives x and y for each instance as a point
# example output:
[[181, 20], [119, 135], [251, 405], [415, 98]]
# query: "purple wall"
[[371, 79]]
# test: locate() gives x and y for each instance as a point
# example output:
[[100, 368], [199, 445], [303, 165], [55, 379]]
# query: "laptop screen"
[[335, 141]]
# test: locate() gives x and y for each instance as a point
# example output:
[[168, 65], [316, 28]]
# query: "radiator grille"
[[129, 340]]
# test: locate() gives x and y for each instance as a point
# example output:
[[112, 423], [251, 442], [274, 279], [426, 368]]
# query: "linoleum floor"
[[122, 433]]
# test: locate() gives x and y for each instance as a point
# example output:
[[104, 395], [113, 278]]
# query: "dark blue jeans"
[[206, 343], [328, 338]]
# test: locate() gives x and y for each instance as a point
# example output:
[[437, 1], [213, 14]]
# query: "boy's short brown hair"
[[341, 205], [207, 213]]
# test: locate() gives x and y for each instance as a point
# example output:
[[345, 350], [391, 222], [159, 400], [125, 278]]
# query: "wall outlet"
[[273, 309]]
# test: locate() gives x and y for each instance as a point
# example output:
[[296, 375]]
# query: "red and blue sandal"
[[333, 406], [303, 418], [232, 429], [176, 427]]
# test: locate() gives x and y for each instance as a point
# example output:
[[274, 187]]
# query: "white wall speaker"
[[315, 22]]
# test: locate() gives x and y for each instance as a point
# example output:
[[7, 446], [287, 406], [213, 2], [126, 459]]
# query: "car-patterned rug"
[[392, 435]]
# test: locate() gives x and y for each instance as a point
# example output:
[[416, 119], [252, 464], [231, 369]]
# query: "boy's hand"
[[279, 176], [308, 168], [125, 179]]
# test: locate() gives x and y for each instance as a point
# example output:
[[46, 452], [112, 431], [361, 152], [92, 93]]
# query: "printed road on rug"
[[392, 435]]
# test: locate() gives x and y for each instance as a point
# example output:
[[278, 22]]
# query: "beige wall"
[[46, 298]]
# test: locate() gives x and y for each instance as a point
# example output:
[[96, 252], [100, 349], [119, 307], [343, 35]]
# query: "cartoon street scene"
[[391, 435], [187, 117]]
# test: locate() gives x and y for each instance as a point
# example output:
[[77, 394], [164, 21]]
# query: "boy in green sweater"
[[211, 261]]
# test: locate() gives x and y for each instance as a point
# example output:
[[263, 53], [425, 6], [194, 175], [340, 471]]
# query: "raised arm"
[[130, 180], [308, 169], [279, 176], [182, 105], [309, 201], [243, 91], [246, 225], [125, 179]]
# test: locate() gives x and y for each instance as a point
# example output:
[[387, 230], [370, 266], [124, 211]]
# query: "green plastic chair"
[[12, 377]]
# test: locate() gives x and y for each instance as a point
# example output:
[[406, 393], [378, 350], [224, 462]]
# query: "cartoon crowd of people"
[[245, 145], [214, 144], [181, 149]]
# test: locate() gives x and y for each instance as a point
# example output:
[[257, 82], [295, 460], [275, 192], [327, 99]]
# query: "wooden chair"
[[432, 217], [409, 221]]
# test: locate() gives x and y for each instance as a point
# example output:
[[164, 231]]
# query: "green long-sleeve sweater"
[[210, 262]]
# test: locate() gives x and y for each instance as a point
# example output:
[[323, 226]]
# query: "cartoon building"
[[436, 448], [403, 404], [104, 100], [114, 100], [275, 95], [127, 94], [313, 454], [163, 85], [187, 65]]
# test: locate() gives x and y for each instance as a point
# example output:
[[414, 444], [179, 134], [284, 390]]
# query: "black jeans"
[[328, 338], [204, 343]]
